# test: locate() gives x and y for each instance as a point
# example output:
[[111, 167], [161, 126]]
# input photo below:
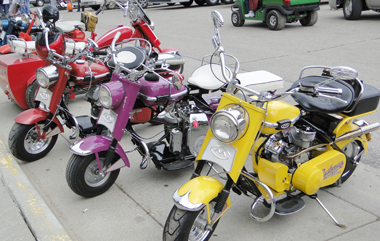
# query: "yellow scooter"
[[296, 149]]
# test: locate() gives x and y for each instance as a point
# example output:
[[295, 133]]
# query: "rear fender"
[[5, 49], [95, 144], [197, 193], [35, 115]]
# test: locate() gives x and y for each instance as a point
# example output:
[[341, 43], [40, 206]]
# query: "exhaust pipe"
[[358, 132]]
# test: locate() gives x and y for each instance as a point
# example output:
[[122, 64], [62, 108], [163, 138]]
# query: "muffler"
[[358, 132]]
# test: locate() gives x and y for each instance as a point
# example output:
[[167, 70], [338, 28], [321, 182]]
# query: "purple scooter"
[[96, 162]]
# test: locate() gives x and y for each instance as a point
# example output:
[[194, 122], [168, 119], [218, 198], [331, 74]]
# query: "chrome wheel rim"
[[272, 20], [33, 144], [93, 177]]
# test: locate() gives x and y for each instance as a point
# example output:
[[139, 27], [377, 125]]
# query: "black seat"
[[322, 104]]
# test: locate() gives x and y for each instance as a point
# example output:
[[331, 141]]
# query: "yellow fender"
[[197, 193]]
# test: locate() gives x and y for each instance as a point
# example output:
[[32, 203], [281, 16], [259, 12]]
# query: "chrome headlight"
[[229, 124], [25, 18], [111, 94], [47, 76]]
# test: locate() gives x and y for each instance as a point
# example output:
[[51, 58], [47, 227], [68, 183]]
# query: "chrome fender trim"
[[183, 202]]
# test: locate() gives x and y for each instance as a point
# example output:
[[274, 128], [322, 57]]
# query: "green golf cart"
[[276, 13]]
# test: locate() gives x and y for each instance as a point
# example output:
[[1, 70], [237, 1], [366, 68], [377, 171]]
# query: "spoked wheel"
[[186, 225], [143, 3], [84, 177], [353, 152], [25, 144], [352, 9]]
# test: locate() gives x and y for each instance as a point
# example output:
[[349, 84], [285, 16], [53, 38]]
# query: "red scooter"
[[21, 87]]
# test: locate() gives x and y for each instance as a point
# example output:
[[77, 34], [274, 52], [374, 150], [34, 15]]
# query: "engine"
[[186, 126], [285, 147]]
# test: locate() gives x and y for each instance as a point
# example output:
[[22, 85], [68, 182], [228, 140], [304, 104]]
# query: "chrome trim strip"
[[183, 202], [148, 98], [95, 76], [275, 125], [75, 148]]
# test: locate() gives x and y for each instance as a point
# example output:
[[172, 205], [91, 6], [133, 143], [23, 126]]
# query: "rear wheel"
[[200, 2], [310, 19], [237, 19], [84, 177], [353, 152], [24, 142], [352, 9], [186, 225], [275, 20]]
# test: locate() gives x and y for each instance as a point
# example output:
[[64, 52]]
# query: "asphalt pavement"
[[37, 204]]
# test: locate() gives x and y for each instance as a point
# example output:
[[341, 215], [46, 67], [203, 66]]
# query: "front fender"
[[95, 144], [35, 115], [197, 193]]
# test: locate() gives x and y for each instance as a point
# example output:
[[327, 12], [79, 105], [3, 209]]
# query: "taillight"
[[286, 2]]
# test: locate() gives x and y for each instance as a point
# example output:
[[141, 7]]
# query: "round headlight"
[[105, 97], [47, 76], [25, 18], [229, 124]]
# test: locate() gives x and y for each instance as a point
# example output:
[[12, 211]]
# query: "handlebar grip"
[[99, 52], [330, 91]]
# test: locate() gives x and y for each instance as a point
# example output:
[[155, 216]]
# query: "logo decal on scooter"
[[220, 153], [333, 170]]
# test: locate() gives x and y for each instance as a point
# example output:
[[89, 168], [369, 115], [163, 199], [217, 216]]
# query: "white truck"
[[352, 9]]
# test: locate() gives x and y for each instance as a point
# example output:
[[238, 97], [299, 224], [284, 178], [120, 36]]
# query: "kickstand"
[[327, 211]]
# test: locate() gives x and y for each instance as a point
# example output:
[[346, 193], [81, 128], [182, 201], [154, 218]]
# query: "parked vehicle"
[[352, 9], [21, 87], [277, 13], [296, 149], [39, 3], [97, 160]]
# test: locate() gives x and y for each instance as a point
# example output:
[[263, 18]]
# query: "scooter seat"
[[210, 77], [322, 104], [22, 47]]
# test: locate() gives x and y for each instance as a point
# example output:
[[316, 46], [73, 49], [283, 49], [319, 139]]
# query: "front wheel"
[[276, 20], [237, 19], [186, 225], [310, 19], [352, 9], [84, 177], [25, 144]]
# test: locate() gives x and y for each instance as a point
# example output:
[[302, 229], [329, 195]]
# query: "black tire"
[[82, 175], [95, 7], [310, 19], [24, 144], [180, 226], [352, 9], [187, 4], [236, 19], [200, 2], [171, 4], [31, 91], [275, 20], [143, 3], [212, 2]]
